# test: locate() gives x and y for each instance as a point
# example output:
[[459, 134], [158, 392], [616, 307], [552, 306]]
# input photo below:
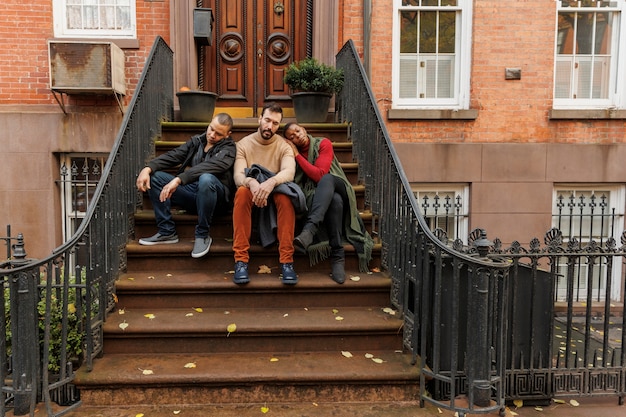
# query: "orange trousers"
[[242, 225]]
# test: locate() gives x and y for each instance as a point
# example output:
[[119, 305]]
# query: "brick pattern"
[[25, 29], [516, 34]]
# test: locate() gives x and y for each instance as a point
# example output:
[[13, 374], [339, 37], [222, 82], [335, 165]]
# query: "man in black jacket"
[[203, 184]]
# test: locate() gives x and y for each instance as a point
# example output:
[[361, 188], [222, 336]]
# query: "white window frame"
[[61, 29], [460, 228], [616, 202], [613, 84], [462, 60]]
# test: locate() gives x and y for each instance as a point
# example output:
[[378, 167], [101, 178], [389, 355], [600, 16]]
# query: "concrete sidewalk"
[[571, 407]]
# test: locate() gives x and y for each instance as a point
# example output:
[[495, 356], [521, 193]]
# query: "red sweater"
[[321, 166]]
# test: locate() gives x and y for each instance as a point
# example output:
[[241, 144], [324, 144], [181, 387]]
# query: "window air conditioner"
[[86, 68]]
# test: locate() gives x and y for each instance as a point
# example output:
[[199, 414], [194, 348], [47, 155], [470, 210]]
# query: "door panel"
[[253, 42]]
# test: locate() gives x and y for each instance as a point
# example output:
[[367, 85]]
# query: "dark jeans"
[[204, 197], [329, 201]]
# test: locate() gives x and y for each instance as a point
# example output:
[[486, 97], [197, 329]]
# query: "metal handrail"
[[77, 279], [425, 272]]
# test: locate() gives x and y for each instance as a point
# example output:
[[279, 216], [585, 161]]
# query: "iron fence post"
[[23, 297], [478, 349]]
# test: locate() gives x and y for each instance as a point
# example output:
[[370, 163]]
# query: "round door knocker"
[[279, 8]]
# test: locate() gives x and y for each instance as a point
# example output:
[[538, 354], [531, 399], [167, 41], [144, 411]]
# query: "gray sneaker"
[[201, 246], [159, 239]]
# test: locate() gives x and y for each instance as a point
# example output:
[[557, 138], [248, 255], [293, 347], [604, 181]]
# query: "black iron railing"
[[453, 303], [55, 308]]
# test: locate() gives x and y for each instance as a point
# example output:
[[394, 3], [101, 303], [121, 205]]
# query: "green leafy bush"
[[313, 76]]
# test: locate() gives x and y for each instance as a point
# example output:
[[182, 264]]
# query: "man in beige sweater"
[[269, 150]]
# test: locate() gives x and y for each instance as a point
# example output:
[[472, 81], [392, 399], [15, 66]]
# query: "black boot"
[[305, 238], [337, 263]]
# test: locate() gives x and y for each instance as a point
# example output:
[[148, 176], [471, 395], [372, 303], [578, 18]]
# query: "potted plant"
[[196, 105], [313, 84]]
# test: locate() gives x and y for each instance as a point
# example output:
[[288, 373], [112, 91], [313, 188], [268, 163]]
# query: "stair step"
[[222, 225], [167, 289], [180, 132], [188, 330], [249, 378], [177, 256], [272, 408]]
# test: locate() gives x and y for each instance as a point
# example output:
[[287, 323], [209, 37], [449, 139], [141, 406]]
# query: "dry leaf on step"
[[264, 269]]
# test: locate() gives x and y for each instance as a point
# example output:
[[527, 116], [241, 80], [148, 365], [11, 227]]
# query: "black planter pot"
[[311, 107], [196, 106]]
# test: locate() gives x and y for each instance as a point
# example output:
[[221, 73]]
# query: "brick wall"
[[505, 34], [25, 28]]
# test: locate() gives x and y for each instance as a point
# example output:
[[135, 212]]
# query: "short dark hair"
[[225, 120], [287, 126], [272, 107]]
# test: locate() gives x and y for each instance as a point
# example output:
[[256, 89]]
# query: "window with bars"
[[432, 40], [444, 207], [80, 174], [586, 214], [588, 61], [95, 18]]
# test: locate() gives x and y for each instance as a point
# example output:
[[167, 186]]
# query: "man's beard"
[[267, 134]]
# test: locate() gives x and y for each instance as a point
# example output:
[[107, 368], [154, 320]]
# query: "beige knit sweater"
[[273, 154]]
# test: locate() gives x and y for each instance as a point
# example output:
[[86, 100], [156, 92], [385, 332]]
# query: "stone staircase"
[[184, 339]]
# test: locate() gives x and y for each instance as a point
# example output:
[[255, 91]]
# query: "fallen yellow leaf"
[[375, 269], [198, 309], [147, 372], [264, 269], [574, 403], [338, 318], [389, 311], [115, 297], [123, 325], [286, 315], [131, 278], [168, 275], [559, 401], [151, 277], [264, 409], [538, 408], [231, 328], [274, 360], [188, 314], [149, 316], [139, 415], [176, 412], [346, 353], [369, 355], [354, 278], [121, 311], [335, 311], [378, 360], [518, 403]]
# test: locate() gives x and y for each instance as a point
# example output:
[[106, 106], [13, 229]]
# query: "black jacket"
[[191, 161]]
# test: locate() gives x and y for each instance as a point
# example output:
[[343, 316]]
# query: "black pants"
[[329, 202]]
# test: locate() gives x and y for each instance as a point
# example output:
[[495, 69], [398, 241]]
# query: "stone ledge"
[[585, 114], [432, 114]]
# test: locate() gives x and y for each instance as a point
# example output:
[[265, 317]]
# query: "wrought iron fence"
[[516, 326], [453, 303], [55, 308]]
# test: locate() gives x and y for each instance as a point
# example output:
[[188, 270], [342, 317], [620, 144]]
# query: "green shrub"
[[313, 76]]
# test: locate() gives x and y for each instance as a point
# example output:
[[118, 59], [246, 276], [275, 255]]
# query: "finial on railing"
[[19, 253], [483, 244]]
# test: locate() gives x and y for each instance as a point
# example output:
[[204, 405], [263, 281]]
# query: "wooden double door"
[[253, 43]]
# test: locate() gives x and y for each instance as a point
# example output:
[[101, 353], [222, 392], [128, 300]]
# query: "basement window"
[[445, 207]]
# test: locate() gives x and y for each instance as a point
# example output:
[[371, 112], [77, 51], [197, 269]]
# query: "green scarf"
[[354, 229]]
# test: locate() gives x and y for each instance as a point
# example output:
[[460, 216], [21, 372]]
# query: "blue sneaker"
[[241, 273], [289, 276]]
